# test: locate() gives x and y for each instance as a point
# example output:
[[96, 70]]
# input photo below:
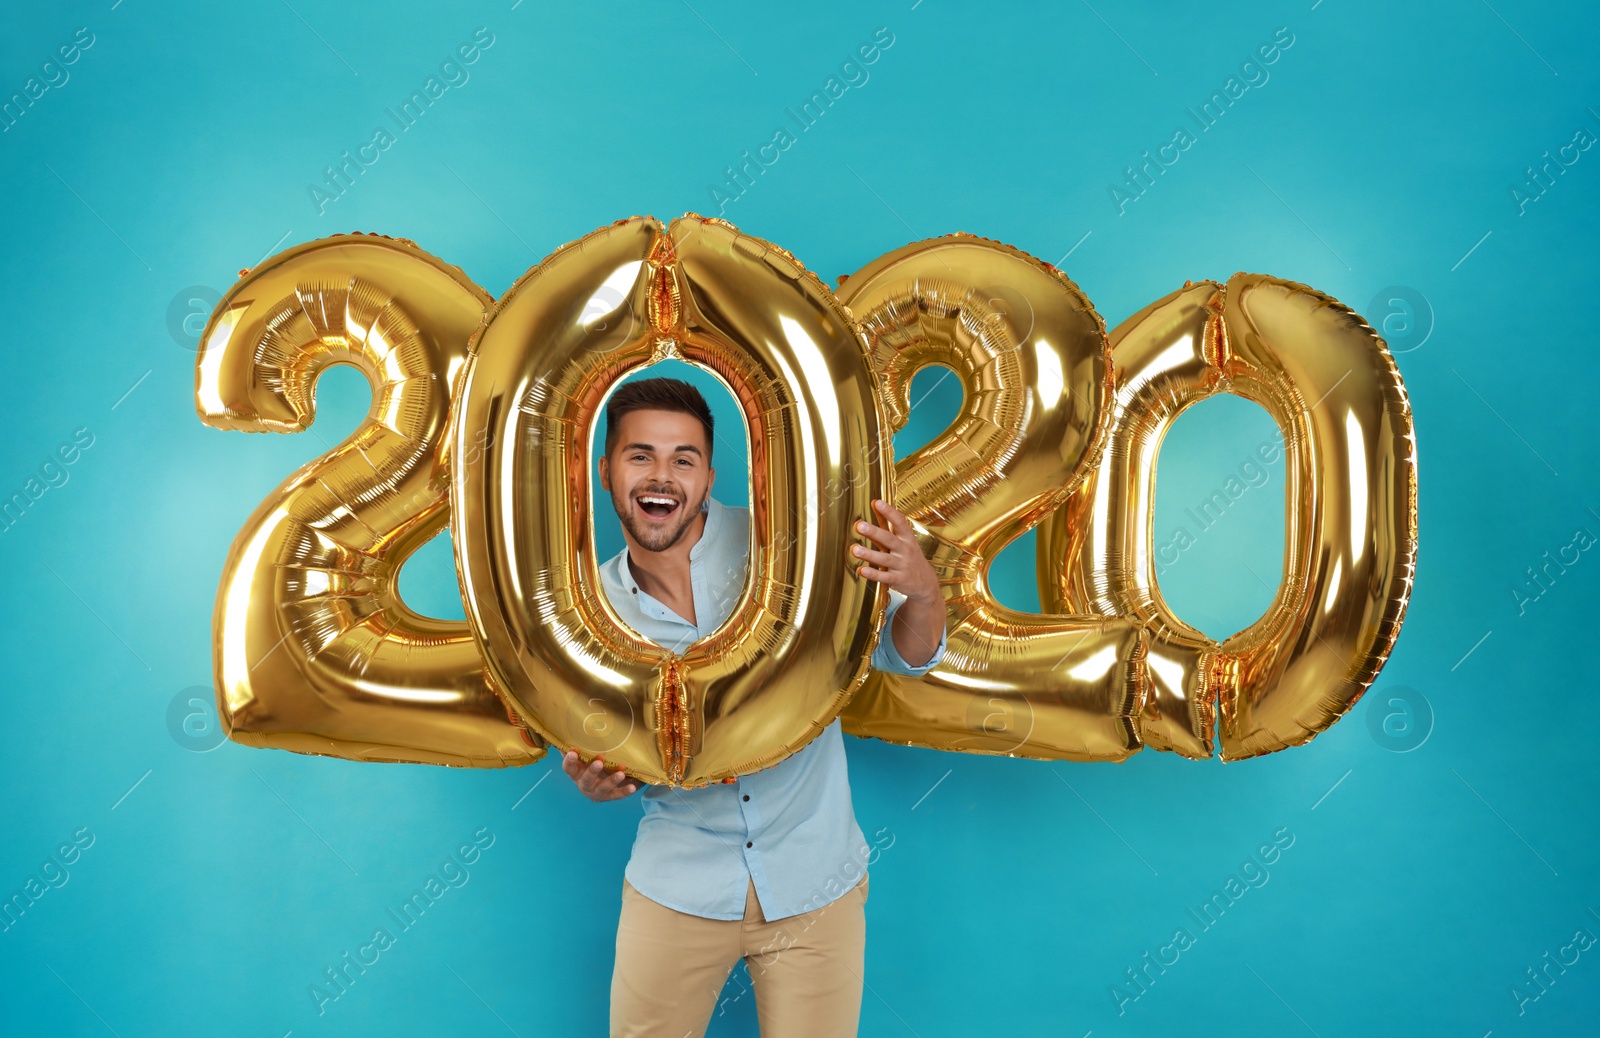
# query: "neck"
[[664, 575]]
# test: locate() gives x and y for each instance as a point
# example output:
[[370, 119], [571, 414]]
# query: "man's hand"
[[594, 782], [897, 561]]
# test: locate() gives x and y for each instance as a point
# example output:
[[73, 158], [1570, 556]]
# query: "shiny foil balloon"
[[1330, 383], [1035, 370], [314, 650], [779, 670]]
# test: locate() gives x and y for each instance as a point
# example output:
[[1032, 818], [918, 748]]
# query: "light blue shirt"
[[790, 829]]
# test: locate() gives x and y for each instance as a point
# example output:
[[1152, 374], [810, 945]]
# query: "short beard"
[[655, 538]]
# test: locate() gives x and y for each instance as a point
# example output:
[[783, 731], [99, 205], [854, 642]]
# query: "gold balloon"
[[489, 407], [778, 671], [1031, 355], [314, 651], [1351, 512]]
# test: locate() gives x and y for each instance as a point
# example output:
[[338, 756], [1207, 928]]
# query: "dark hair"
[[658, 394]]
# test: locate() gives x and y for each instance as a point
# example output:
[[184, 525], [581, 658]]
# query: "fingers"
[[902, 565], [896, 519], [616, 785], [597, 783], [594, 781], [881, 566], [896, 528], [881, 558], [876, 534], [581, 773]]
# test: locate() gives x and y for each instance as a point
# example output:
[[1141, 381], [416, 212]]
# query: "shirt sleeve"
[[886, 657]]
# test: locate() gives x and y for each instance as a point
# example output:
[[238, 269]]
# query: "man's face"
[[659, 475]]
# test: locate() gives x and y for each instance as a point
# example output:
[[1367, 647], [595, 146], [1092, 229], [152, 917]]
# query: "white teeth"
[[647, 500]]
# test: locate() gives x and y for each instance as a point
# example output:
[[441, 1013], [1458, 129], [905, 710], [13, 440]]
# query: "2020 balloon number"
[[482, 416]]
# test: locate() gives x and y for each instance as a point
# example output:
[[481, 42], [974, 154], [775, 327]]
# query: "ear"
[[605, 474], [711, 479]]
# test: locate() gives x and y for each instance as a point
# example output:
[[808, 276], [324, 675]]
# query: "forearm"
[[918, 626]]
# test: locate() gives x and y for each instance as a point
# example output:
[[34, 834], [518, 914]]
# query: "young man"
[[758, 868]]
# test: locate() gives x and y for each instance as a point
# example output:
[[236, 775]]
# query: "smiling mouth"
[[657, 506]]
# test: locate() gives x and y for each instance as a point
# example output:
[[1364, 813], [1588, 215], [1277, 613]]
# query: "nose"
[[661, 471]]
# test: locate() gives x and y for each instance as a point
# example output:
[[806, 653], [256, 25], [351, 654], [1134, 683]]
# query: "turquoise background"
[[1444, 833]]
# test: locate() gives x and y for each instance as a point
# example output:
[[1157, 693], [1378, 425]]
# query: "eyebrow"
[[684, 447]]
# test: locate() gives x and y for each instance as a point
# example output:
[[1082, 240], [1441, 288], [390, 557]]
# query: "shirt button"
[[747, 796], [749, 845]]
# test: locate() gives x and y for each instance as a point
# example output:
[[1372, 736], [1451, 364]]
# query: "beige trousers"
[[806, 969]]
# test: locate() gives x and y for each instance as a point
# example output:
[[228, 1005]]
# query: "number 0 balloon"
[[1351, 503], [778, 671]]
